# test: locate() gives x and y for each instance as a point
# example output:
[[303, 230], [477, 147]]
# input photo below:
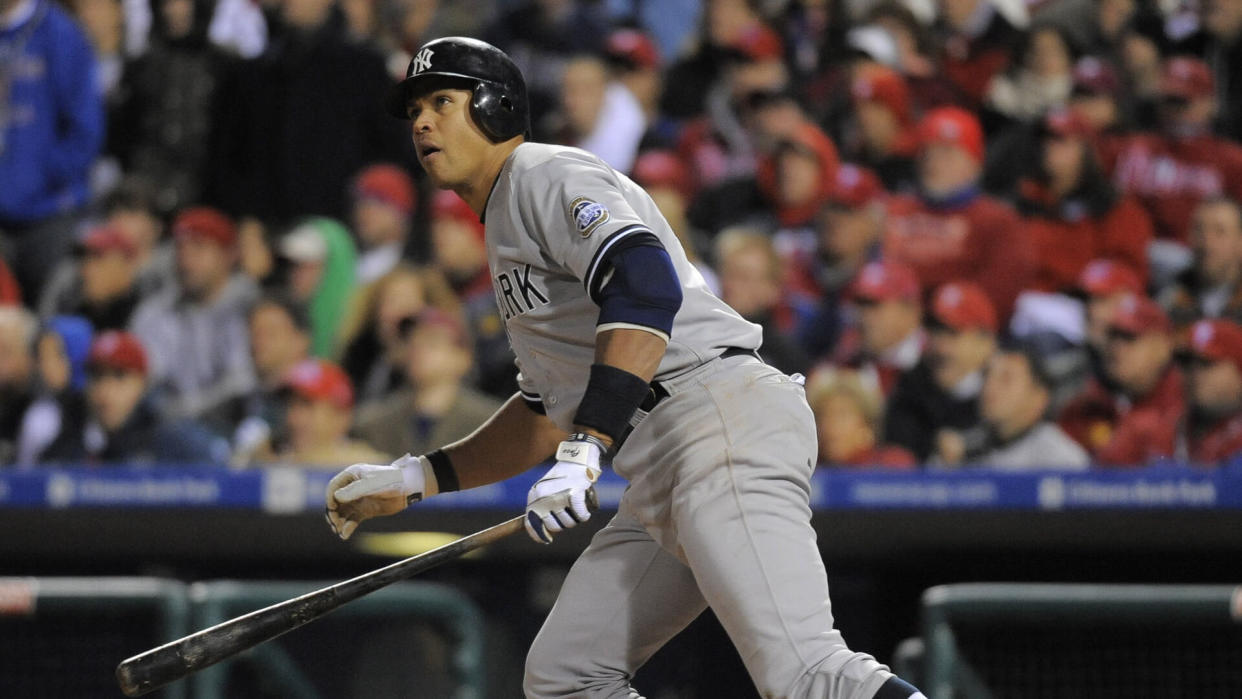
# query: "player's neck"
[[477, 191]]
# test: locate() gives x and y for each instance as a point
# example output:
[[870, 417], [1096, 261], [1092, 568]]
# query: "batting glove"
[[565, 496], [363, 491]]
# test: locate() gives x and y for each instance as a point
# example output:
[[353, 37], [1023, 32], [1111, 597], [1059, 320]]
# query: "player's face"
[[450, 146]]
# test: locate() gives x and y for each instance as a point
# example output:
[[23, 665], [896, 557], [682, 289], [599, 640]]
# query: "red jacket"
[[1067, 235], [882, 456], [1171, 176], [1212, 446], [982, 241], [1118, 432]]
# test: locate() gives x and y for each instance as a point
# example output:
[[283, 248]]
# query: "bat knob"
[[592, 500]]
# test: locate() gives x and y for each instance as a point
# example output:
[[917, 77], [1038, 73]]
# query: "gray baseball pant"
[[717, 513]]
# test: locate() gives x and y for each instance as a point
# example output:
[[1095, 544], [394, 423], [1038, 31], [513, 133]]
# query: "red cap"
[[1217, 340], [885, 280], [117, 350], [445, 204], [964, 306], [955, 126], [1108, 277], [107, 239], [204, 222], [633, 47], [319, 379], [759, 43], [877, 83], [387, 183], [1186, 77], [855, 187], [662, 168], [1095, 76], [1066, 123], [1139, 314]]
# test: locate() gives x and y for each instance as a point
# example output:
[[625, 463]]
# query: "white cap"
[[304, 244], [876, 42]]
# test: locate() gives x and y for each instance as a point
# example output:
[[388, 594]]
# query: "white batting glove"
[[560, 499], [363, 491]]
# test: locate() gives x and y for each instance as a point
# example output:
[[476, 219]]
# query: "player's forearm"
[[633, 351], [513, 440]]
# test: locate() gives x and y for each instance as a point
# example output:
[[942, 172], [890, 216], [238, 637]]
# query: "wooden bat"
[[170, 662]]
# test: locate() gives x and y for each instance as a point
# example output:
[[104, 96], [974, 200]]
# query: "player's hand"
[[565, 496], [363, 491]]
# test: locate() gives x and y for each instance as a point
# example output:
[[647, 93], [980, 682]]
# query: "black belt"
[[657, 392]]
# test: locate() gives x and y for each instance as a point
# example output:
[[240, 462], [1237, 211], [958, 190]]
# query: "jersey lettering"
[[518, 279]]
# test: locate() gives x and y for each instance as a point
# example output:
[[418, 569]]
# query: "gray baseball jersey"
[[717, 512], [553, 214]]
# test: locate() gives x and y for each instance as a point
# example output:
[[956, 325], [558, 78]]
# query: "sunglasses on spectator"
[[1190, 360]]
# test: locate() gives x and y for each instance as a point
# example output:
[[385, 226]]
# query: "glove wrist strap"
[[576, 449]]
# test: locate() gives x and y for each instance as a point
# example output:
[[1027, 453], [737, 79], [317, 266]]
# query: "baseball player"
[[624, 354]]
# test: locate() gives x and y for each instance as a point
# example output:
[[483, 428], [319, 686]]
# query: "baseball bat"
[[172, 661]]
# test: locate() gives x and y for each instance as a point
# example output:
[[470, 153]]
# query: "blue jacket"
[[52, 117]]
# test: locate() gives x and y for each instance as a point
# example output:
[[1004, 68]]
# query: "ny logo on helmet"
[[421, 62]]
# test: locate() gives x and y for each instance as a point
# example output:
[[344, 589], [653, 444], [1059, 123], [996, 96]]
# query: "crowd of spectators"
[[991, 232]]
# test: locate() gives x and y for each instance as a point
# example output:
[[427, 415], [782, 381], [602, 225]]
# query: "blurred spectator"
[[1094, 98], [599, 114], [321, 277], [1016, 407], [1040, 79], [1142, 48], [195, 332], [1172, 171], [636, 68], [132, 209], [1072, 212], [318, 416], [17, 374], [916, 52], [60, 359], [51, 129], [937, 401], [848, 411], [105, 290], [279, 340], [280, 153], [104, 24], [374, 356], [725, 25], [750, 282], [814, 33], [540, 36], [951, 230], [976, 41], [437, 407], [794, 180], [1134, 423], [123, 426], [883, 115], [1104, 284], [888, 339], [168, 99], [849, 227], [1212, 288], [384, 200], [1222, 19], [1212, 432], [256, 257], [459, 253]]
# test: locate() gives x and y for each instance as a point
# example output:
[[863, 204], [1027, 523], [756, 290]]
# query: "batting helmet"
[[499, 105]]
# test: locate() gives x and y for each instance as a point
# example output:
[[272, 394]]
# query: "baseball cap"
[[757, 43], [963, 305], [304, 244], [1217, 340], [205, 223], [885, 280], [1186, 78], [1138, 315], [954, 126], [319, 379], [633, 48], [662, 168], [446, 204], [1066, 123], [1107, 277], [854, 187], [119, 351], [885, 86], [387, 183], [105, 238], [1095, 76], [874, 42]]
